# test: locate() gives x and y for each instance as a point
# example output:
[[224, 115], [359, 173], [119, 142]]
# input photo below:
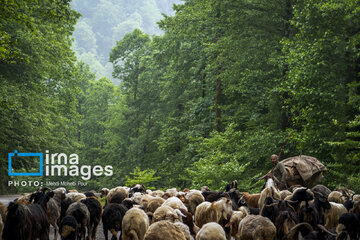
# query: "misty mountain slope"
[[107, 21]]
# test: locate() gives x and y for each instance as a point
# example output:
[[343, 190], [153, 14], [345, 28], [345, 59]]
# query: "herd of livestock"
[[136, 213]]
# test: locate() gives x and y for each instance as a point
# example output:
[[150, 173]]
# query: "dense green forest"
[[226, 85], [104, 22]]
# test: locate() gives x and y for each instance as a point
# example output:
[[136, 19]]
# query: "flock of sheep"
[[136, 213]]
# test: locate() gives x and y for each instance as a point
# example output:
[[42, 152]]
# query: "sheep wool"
[[336, 197], [211, 231], [164, 230], [333, 214], [175, 203], [256, 227], [165, 213], [185, 229], [135, 224], [117, 191]]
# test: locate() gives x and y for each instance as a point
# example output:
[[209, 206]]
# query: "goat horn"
[[325, 230], [294, 230], [271, 205]]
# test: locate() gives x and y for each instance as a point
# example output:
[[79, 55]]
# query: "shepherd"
[[278, 172]]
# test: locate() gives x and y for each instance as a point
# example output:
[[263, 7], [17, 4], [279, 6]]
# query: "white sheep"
[[332, 215], [356, 197], [157, 193], [136, 197], [336, 197], [193, 199], [142, 199], [153, 204], [167, 213], [122, 191], [172, 192], [185, 230], [59, 194], [134, 224], [75, 197], [164, 230], [175, 203], [211, 231]]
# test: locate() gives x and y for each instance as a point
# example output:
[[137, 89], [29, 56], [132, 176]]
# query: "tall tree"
[[37, 111]]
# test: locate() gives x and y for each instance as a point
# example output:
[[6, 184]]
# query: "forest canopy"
[[225, 85]]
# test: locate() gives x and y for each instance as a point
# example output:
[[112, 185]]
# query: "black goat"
[[82, 215], [286, 218], [27, 222], [211, 196], [300, 195], [281, 213], [314, 213], [270, 209], [117, 198], [128, 203], [52, 209], [65, 203], [351, 222], [253, 211], [235, 196], [68, 228], [349, 204], [89, 194], [232, 185], [112, 219], [95, 210]]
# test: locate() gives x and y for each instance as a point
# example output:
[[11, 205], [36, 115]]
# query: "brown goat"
[[212, 212], [251, 199], [235, 220]]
